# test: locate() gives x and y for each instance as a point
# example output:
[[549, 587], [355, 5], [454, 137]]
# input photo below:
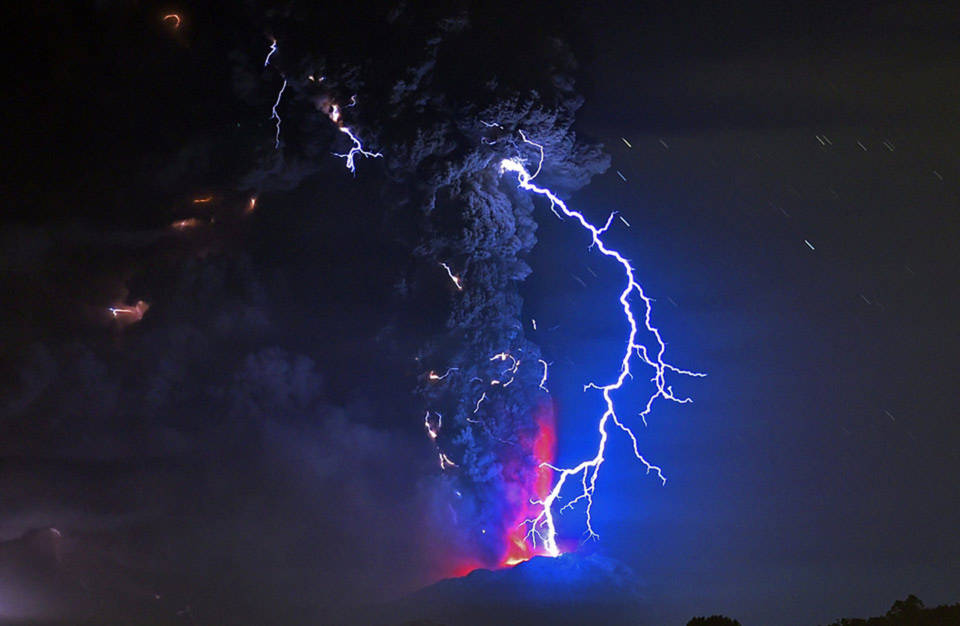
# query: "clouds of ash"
[[191, 457], [439, 95], [246, 439]]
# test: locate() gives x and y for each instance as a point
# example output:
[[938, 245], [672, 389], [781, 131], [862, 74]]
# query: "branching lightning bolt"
[[543, 526], [336, 116], [355, 150]]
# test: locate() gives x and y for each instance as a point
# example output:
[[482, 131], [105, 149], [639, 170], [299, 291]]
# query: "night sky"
[[252, 450]]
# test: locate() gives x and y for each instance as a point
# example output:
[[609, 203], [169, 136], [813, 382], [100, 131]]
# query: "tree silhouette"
[[911, 607], [713, 620], [909, 612]]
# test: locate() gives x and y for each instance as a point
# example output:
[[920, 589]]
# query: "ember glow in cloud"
[[127, 314], [186, 224]]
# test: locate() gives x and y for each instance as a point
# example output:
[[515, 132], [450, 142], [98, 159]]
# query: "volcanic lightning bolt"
[[453, 277], [273, 48], [276, 116], [543, 379], [336, 116], [433, 376], [543, 526]]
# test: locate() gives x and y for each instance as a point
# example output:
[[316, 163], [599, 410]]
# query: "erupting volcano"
[[531, 485]]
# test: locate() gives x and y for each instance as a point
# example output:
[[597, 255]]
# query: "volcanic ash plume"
[[435, 122]]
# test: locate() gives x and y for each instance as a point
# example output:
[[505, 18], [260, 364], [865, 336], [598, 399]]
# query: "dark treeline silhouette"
[[713, 620], [909, 612]]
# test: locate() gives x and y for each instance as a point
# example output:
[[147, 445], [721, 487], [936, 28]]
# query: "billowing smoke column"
[[501, 428], [445, 134], [494, 382]]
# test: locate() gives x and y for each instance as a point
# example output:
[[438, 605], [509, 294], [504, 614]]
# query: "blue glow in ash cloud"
[[542, 526]]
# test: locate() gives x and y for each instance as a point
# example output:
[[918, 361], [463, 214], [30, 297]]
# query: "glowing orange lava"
[[523, 481], [536, 484], [465, 568]]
